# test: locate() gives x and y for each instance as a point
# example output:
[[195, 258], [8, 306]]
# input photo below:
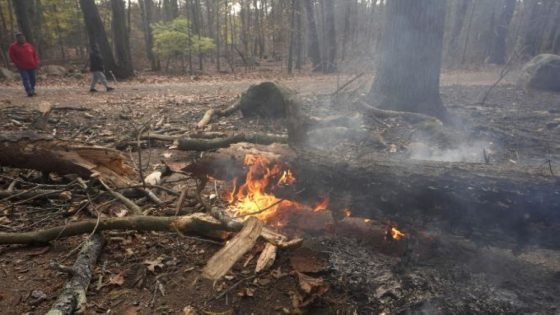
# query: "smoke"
[[472, 152]]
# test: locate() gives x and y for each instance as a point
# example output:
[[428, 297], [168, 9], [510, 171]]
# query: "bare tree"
[[146, 6], [97, 35], [314, 52], [122, 43], [22, 9], [498, 54], [408, 70]]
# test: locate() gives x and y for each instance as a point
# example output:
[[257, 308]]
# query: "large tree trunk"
[[22, 8], [97, 35], [408, 71], [314, 52], [122, 44], [499, 53], [146, 6]]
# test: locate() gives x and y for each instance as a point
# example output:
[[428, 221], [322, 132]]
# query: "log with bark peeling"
[[73, 296], [47, 154]]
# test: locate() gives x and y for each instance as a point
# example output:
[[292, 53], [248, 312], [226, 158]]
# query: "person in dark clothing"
[[97, 68], [24, 56]]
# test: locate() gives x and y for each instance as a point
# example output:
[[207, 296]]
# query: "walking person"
[[97, 68], [24, 56]]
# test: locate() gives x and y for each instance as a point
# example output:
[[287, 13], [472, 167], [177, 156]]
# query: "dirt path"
[[68, 92]]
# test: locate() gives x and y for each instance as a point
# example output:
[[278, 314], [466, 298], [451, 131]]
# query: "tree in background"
[[97, 35], [121, 41], [498, 52], [22, 9], [408, 70], [174, 39]]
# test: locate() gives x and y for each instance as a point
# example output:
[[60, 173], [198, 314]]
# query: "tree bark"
[[21, 9], [458, 23], [408, 71], [314, 52], [498, 54], [492, 203], [330, 37], [97, 35], [73, 295], [43, 153], [122, 43], [146, 6]]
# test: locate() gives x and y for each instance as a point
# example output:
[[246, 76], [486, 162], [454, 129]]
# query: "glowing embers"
[[394, 234]]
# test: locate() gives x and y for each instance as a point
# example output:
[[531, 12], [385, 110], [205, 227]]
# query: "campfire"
[[257, 195]]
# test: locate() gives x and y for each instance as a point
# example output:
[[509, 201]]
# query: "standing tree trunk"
[[314, 52], [499, 52], [292, 37], [299, 36], [4, 41], [21, 8], [147, 8], [97, 35], [458, 22], [122, 44], [330, 37], [408, 70]]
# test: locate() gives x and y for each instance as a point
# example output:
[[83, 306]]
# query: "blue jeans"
[[28, 79]]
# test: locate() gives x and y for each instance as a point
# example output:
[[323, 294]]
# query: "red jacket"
[[24, 56]]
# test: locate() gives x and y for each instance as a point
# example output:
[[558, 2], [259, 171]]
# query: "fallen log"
[[212, 144], [73, 296], [495, 203], [47, 154], [197, 223]]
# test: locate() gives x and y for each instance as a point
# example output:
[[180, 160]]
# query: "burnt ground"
[[158, 273]]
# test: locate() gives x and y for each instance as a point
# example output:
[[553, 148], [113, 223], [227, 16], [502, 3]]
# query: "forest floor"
[[157, 273]]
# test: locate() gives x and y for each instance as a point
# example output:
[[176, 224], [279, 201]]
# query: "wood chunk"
[[267, 258], [226, 257]]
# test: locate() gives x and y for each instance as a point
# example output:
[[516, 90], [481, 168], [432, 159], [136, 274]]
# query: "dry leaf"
[[5, 220], [153, 179], [189, 310], [152, 264], [122, 212], [134, 310], [117, 279], [66, 195], [308, 284], [250, 292]]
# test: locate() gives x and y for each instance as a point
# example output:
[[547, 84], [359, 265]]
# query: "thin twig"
[[136, 210]]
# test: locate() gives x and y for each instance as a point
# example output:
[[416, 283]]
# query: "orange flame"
[[255, 196], [396, 234], [287, 178], [347, 212], [322, 205]]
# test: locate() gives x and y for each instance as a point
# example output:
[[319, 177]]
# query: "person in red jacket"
[[24, 56]]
